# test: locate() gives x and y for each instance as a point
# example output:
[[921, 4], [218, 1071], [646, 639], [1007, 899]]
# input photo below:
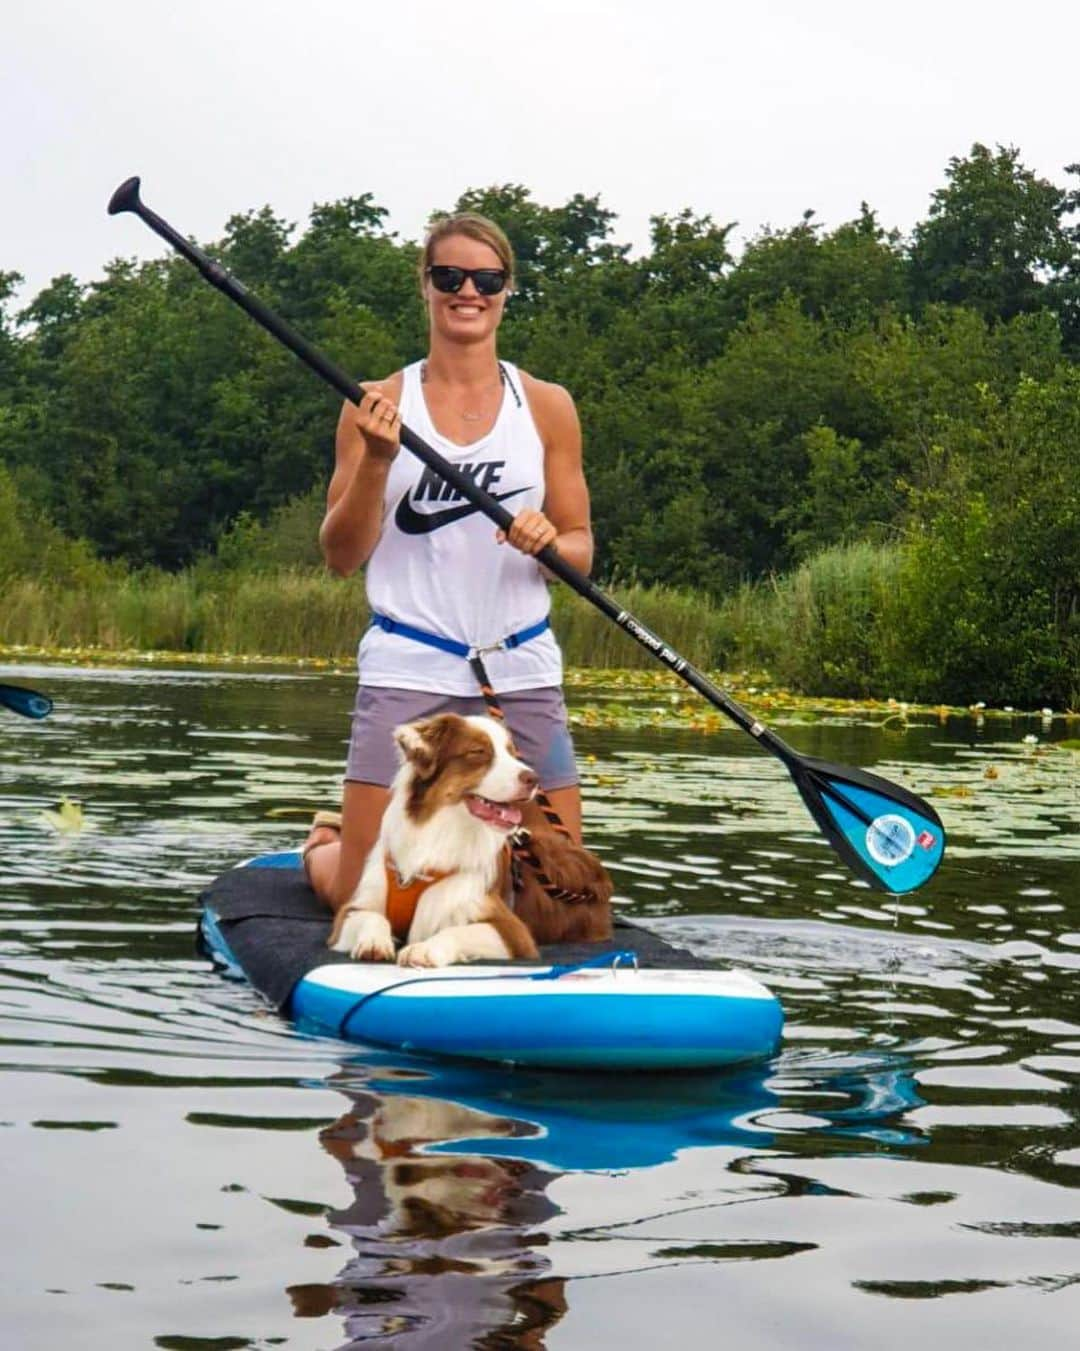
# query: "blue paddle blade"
[[27, 702], [891, 838]]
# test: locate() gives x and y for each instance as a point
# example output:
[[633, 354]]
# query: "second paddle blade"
[[26, 702]]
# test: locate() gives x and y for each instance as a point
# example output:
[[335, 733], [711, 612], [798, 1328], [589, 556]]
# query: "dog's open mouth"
[[501, 815]]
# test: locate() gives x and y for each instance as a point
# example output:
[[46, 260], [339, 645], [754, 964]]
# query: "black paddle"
[[888, 836], [27, 702]]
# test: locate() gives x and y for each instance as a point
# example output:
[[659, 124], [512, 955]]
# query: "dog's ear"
[[421, 742], [415, 747]]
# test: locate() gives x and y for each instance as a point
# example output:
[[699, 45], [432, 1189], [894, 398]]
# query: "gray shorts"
[[536, 718]]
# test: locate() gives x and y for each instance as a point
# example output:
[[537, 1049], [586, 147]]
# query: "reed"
[[859, 620], [292, 612], [819, 629], [814, 629], [831, 626], [687, 621], [149, 611], [297, 612], [142, 612]]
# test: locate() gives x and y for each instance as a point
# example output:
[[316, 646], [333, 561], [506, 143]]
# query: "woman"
[[439, 576]]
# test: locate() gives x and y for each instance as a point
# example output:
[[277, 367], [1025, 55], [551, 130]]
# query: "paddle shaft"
[[126, 198]]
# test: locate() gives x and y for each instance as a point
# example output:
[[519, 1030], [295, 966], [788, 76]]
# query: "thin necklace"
[[470, 416]]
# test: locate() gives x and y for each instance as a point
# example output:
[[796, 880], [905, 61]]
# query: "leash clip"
[[481, 652]]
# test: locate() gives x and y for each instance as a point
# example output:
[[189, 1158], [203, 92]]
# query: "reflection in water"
[[450, 1169], [445, 1253]]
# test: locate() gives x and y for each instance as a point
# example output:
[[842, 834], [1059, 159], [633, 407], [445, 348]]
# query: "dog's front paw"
[[431, 952], [366, 936]]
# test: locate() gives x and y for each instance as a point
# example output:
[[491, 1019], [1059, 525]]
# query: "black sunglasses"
[[489, 281]]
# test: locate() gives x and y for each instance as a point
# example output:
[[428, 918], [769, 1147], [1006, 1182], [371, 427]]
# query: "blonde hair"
[[472, 226]]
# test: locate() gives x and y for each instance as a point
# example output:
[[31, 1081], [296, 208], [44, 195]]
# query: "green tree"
[[740, 414], [11, 353], [996, 238], [842, 499], [347, 252], [54, 313], [255, 248], [848, 275], [993, 582]]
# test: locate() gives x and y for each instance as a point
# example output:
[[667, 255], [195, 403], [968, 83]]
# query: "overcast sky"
[[750, 112]]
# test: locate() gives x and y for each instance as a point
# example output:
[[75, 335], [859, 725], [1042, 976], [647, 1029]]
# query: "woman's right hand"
[[379, 423]]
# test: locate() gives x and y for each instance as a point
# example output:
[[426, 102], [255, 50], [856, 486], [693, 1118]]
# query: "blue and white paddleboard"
[[615, 1008]]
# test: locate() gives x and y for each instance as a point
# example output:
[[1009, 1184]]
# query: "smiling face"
[[464, 316], [465, 762]]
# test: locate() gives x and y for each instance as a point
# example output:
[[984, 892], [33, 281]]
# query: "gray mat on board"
[[277, 931]]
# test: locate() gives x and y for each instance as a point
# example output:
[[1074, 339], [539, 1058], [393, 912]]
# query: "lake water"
[[183, 1170]]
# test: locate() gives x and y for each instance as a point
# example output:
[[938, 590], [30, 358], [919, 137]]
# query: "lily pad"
[[67, 818]]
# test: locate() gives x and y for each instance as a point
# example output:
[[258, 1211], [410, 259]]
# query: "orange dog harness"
[[402, 898]]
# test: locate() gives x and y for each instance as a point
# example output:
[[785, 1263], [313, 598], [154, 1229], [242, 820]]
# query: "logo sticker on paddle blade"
[[890, 840]]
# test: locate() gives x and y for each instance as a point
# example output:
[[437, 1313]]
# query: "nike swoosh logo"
[[412, 522]]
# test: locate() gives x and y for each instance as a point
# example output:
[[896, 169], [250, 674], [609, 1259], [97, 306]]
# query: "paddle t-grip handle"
[[126, 197]]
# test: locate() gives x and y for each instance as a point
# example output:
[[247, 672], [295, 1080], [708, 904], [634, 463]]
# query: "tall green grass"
[[819, 629], [687, 621], [289, 613], [860, 620], [303, 613], [833, 626], [945, 615]]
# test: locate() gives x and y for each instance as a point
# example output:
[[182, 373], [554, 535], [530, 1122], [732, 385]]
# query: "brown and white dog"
[[440, 868], [437, 874]]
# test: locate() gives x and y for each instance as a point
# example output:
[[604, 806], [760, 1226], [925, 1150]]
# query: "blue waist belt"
[[451, 644]]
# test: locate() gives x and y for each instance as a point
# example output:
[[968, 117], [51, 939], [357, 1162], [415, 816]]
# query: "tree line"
[[742, 412]]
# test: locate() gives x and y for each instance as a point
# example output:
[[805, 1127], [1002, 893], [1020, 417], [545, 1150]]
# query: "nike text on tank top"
[[438, 567]]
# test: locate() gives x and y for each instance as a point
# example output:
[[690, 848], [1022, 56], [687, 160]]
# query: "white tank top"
[[437, 565]]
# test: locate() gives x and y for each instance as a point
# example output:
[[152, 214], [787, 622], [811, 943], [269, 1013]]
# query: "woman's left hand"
[[530, 531]]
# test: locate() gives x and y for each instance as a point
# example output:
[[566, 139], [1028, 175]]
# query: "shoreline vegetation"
[[818, 638], [606, 697], [849, 456]]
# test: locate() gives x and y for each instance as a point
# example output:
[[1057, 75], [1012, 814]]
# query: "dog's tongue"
[[502, 814]]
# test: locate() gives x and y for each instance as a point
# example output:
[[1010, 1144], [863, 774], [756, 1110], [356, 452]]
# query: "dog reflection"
[[445, 1253]]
